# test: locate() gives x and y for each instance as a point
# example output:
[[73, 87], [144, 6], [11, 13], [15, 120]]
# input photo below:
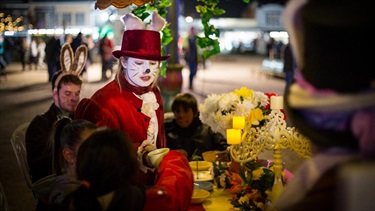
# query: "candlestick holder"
[[276, 136]]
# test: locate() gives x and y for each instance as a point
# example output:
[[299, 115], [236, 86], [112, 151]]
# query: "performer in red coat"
[[133, 103]]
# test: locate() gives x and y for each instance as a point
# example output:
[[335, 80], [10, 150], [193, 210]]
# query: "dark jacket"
[[198, 136], [38, 148]]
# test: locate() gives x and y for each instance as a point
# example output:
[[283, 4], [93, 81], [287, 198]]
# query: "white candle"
[[238, 122], [233, 136], [277, 102]]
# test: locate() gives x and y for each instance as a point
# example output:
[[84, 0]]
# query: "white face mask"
[[140, 72]]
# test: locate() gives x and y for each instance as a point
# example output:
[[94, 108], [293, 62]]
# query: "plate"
[[203, 176], [203, 185], [202, 165]]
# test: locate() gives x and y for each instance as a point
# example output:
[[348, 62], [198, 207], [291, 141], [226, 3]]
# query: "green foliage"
[[209, 42], [221, 168], [207, 10], [196, 157], [264, 183]]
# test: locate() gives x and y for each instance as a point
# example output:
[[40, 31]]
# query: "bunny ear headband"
[[71, 65]]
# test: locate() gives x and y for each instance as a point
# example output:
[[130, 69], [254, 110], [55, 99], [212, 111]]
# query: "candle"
[[233, 136], [277, 102], [238, 122]]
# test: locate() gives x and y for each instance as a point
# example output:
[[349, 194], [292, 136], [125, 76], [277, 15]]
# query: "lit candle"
[[233, 136], [277, 102], [238, 122]]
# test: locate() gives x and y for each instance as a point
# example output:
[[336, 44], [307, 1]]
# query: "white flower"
[[218, 110]]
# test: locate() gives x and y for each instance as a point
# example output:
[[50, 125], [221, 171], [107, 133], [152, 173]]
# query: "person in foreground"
[[68, 135], [66, 90], [332, 102], [107, 167], [186, 133], [132, 101], [112, 183]]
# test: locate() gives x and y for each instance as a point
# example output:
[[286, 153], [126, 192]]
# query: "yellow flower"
[[258, 114], [255, 116], [257, 173], [244, 198], [244, 93]]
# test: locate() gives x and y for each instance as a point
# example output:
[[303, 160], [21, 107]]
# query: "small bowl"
[[202, 165], [199, 195], [210, 156]]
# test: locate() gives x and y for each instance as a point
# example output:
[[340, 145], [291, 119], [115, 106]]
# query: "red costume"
[[134, 104], [116, 107]]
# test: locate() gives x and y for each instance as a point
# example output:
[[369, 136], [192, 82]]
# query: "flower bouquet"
[[251, 186], [218, 110]]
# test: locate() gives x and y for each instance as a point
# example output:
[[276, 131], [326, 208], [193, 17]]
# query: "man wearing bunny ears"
[[133, 103], [66, 90]]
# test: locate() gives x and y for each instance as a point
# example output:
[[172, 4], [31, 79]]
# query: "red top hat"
[[141, 44]]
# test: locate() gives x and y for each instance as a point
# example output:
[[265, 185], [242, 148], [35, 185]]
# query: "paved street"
[[26, 94]]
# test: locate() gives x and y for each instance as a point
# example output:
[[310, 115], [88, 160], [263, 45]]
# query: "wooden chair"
[[18, 144], [3, 200], [43, 185]]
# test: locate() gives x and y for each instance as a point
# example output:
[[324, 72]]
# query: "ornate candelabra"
[[248, 142]]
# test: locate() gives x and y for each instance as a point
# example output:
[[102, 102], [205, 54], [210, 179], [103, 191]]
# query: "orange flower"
[[236, 182]]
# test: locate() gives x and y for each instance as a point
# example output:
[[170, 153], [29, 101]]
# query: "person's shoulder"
[[43, 116]]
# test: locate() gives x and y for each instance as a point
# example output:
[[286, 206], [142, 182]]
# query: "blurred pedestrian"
[[77, 41], [41, 53], [191, 55], [271, 48], [3, 62], [24, 52], [33, 54], [289, 64], [52, 50], [105, 49]]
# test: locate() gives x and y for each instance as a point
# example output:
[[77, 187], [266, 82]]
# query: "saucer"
[[203, 185]]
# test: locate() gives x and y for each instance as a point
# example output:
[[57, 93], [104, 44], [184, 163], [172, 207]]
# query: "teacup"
[[157, 155]]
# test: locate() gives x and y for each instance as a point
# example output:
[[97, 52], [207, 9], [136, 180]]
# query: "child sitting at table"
[[107, 167], [187, 134]]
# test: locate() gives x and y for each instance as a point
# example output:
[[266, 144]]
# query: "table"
[[218, 200]]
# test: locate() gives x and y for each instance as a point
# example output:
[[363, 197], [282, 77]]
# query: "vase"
[[171, 84]]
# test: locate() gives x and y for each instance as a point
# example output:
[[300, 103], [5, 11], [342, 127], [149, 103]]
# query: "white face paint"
[[140, 72]]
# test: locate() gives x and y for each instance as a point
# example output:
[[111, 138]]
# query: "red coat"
[[174, 188], [115, 108]]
